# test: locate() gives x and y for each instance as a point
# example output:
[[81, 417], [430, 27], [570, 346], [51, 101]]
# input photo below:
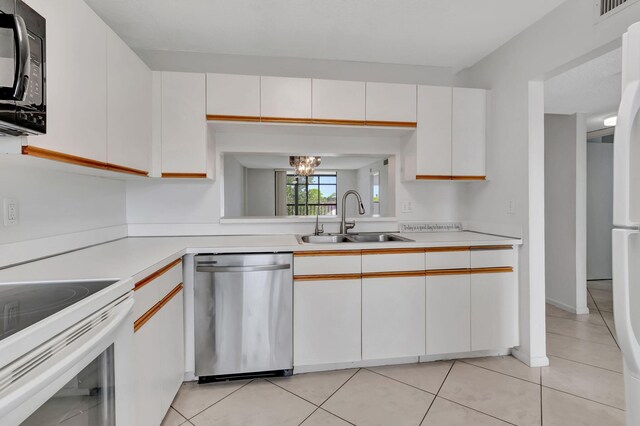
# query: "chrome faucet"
[[344, 224], [319, 229]]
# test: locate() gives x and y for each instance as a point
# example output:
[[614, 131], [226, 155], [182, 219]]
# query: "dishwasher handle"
[[258, 268]]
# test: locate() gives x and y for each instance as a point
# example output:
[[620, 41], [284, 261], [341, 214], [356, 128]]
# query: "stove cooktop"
[[22, 305]]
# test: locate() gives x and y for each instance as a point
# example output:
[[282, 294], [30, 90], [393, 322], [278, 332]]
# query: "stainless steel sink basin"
[[323, 239], [350, 238], [376, 238]]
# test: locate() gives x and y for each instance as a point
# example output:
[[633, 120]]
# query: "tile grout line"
[[584, 363], [225, 397], [541, 405], [582, 397], [436, 395], [579, 322], [585, 340], [311, 414], [477, 411], [499, 372], [602, 316], [294, 394], [331, 412], [399, 381]]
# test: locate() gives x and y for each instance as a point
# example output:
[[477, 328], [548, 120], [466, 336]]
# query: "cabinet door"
[[184, 126], [338, 100], [233, 95], [434, 131], [393, 317], [448, 314], [171, 316], [469, 132], [148, 369], [284, 97], [76, 80], [326, 322], [494, 311], [389, 102], [128, 106]]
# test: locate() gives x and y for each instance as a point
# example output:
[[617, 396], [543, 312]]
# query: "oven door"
[[83, 376]]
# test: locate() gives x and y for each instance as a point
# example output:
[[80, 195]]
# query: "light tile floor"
[[582, 386]]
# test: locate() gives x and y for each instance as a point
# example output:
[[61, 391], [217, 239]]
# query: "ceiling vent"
[[606, 7]]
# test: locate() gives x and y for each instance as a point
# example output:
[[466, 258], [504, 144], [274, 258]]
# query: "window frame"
[[306, 205]]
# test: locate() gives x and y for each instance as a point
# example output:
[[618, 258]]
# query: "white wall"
[[293, 67], [260, 187], [69, 210], [565, 140], [599, 210], [365, 186], [234, 175], [515, 139]]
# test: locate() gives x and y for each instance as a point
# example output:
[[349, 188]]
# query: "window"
[[311, 195]]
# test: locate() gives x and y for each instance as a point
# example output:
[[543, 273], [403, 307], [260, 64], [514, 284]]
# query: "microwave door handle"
[[23, 57]]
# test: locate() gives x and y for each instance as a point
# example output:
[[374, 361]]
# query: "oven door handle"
[[259, 268], [23, 57]]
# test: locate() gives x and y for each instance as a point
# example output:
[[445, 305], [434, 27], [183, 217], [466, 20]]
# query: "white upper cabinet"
[[76, 80], [184, 126], [233, 95], [284, 97], [469, 132], [128, 106], [391, 102], [338, 100], [434, 131]]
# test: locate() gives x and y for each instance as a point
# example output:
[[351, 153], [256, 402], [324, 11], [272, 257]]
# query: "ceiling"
[[450, 33], [593, 88], [277, 161]]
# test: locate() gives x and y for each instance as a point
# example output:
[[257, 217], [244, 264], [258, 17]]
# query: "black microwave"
[[23, 103]]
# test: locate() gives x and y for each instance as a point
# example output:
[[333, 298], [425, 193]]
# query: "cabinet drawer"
[[494, 257], [447, 260], [151, 289], [390, 261], [325, 263]]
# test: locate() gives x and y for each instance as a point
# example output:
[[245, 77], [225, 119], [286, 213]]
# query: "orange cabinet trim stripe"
[[298, 120], [79, 161], [445, 249], [327, 253], [398, 274], [497, 270], [491, 247], [220, 117], [438, 272], [468, 178], [433, 177], [391, 123], [154, 310], [185, 175], [392, 251], [146, 280], [327, 277]]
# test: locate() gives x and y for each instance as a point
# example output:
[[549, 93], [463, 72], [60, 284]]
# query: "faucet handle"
[[349, 224]]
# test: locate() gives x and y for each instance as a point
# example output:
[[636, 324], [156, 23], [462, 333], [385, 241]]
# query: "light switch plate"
[[407, 207], [511, 207], [11, 212]]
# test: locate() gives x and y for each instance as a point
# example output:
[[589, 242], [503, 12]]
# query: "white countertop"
[[138, 257]]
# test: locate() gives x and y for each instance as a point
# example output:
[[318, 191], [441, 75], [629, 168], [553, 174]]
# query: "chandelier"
[[303, 165]]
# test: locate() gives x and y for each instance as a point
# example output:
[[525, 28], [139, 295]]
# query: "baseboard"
[[574, 310], [299, 369], [26, 251], [540, 361]]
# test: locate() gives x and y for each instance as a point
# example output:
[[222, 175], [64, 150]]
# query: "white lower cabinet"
[[172, 352], [326, 322], [148, 395], [393, 317], [494, 311], [448, 314]]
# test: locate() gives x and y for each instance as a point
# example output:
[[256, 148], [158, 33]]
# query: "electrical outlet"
[[511, 207], [11, 212], [407, 207]]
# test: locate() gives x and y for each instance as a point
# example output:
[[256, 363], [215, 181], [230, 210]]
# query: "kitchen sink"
[[351, 238]]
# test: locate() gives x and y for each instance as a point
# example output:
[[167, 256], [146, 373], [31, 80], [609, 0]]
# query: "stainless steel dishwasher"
[[243, 315]]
